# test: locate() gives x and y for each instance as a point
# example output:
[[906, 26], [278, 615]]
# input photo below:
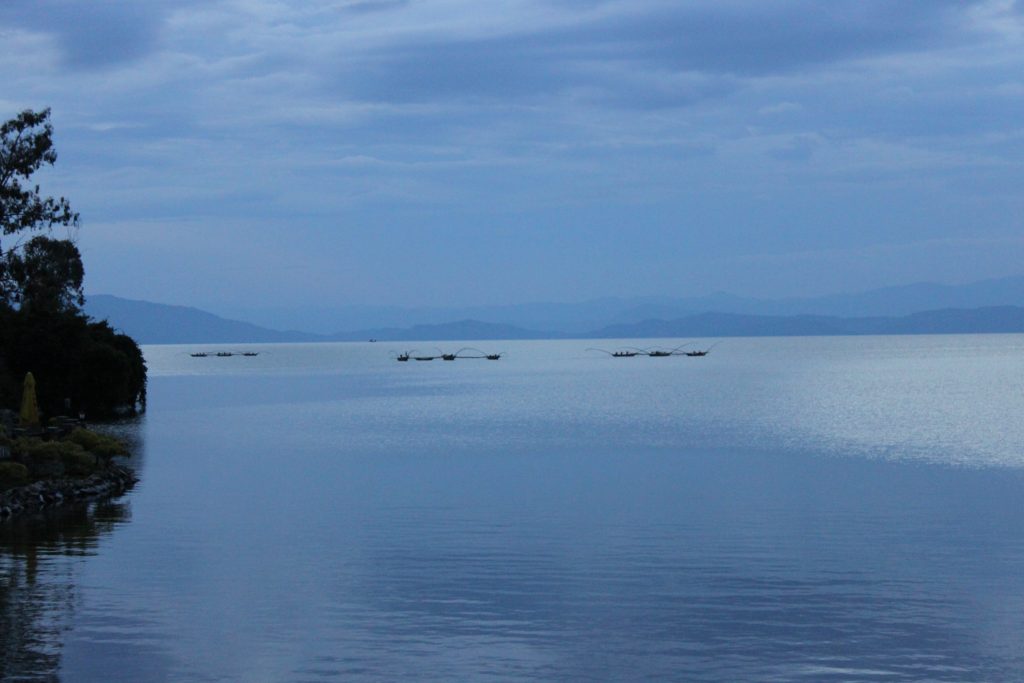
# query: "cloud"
[[798, 148], [780, 108], [701, 125], [761, 38], [92, 34], [624, 52]]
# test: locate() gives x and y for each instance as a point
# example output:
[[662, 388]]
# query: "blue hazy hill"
[[580, 318], [989, 306], [152, 323], [992, 319]]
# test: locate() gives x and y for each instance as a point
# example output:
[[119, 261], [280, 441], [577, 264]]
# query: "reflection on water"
[[38, 560], [783, 510]]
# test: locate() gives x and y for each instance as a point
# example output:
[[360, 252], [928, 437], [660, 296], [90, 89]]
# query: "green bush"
[[34, 449], [46, 451], [77, 456], [12, 474], [78, 463], [100, 444]]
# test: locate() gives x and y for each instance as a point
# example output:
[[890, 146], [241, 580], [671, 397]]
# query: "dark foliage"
[[40, 272], [46, 275], [79, 366], [26, 144], [13, 474]]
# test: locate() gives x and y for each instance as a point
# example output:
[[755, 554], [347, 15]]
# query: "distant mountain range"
[[944, 321], [153, 323], [579, 319]]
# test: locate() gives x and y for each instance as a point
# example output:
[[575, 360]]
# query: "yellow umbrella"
[[29, 407]]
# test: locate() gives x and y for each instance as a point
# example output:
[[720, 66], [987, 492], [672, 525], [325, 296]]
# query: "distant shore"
[[151, 323]]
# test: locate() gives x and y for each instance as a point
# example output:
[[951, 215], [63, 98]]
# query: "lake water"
[[808, 509]]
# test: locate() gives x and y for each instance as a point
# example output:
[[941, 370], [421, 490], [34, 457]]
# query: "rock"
[[40, 494]]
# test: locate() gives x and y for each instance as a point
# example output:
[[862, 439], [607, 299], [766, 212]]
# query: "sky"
[[245, 153]]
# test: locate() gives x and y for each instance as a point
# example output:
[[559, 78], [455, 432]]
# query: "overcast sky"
[[423, 152]]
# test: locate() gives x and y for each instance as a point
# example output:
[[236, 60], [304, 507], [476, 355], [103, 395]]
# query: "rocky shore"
[[48, 493]]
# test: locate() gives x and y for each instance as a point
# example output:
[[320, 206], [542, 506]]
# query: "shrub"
[[35, 449], [78, 463], [100, 444], [54, 458], [12, 474], [78, 456]]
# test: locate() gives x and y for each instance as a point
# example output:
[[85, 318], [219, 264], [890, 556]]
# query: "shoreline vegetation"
[[46, 494], [56, 363], [80, 366], [64, 463]]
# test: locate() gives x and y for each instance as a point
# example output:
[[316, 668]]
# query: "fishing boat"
[[251, 353], [199, 355], [704, 352], [224, 354], [620, 353], [483, 354]]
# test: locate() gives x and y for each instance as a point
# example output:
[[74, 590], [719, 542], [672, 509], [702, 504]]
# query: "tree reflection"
[[38, 560]]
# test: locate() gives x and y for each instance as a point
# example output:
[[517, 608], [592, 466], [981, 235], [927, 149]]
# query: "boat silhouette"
[[704, 352], [483, 354], [411, 355], [620, 353]]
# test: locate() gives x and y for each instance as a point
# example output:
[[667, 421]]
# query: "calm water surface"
[[781, 510]]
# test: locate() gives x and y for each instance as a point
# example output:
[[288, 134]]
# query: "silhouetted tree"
[[47, 275], [42, 328], [26, 145]]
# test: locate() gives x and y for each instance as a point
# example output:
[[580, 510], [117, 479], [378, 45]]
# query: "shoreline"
[[51, 493]]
